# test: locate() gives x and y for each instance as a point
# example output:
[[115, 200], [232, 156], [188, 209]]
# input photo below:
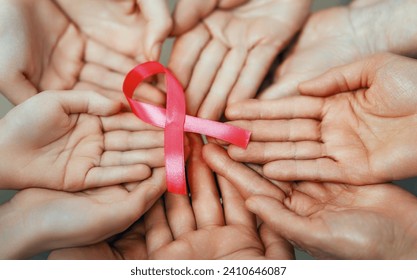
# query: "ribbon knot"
[[175, 122]]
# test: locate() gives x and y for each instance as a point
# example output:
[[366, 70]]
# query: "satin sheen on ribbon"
[[175, 122]]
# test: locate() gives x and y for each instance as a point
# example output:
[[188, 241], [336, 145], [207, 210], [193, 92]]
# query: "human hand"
[[342, 35], [329, 221], [52, 219], [73, 141], [225, 57], [37, 55], [360, 136], [188, 13], [205, 229], [130, 245]]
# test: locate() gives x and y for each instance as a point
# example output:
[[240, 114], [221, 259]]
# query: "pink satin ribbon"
[[175, 122]]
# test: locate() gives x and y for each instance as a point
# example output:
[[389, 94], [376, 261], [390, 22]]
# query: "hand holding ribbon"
[[175, 122]]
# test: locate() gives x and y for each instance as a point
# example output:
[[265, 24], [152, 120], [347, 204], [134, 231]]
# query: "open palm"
[[208, 229], [61, 140], [342, 35], [360, 136], [225, 57], [41, 56], [330, 221]]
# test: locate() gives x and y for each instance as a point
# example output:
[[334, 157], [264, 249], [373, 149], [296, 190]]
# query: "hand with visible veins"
[[38, 220], [329, 221], [353, 125], [205, 228], [225, 57], [342, 35], [37, 55], [72, 141]]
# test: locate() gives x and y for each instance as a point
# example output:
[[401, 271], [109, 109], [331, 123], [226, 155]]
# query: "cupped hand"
[[55, 219], [75, 140], [205, 228], [37, 55], [342, 35], [329, 221], [357, 129], [224, 58]]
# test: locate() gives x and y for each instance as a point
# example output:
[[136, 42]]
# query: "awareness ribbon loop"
[[174, 120]]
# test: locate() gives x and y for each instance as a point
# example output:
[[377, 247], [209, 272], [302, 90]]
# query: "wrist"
[[18, 240]]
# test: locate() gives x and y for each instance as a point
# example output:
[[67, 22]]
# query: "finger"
[[285, 108], [286, 187], [148, 93], [256, 67], [322, 170], [276, 247], [259, 152], [281, 220], [247, 181], [203, 75], [157, 178], [98, 54], [101, 76], [281, 130], [120, 140], [158, 233], [186, 51], [111, 94], [227, 4], [150, 157], [205, 197], [286, 85], [125, 121], [345, 78], [75, 102], [180, 214], [235, 211], [100, 251], [215, 101], [114, 175], [159, 25], [188, 13]]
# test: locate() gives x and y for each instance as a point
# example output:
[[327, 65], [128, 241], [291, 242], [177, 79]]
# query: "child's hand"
[[74, 141], [343, 35], [357, 129], [327, 220], [50, 219], [225, 57]]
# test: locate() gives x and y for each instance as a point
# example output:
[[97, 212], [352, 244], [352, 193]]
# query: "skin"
[[37, 220], [74, 140], [176, 229], [225, 57], [37, 55], [329, 221], [342, 35], [353, 125]]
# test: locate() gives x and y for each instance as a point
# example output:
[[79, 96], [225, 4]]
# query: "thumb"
[[89, 102], [279, 219], [276, 247], [345, 78], [159, 25]]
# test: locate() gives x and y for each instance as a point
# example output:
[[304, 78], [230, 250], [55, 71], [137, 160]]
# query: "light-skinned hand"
[[37, 55], [74, 140], [207, 228], [38, 220], [354, 128], [329, 221], [225, 57], [342, 35]]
